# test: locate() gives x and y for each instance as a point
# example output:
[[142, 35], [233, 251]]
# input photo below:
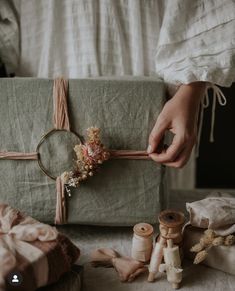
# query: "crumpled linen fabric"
[[197, 42], [182, 41], [217, 213]]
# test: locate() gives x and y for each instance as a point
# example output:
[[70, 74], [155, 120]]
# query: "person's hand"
[[179, 115]]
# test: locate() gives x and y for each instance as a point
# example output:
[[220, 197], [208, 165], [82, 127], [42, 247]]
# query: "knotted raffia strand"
[[60, 116], [18, 156], [129, 155], [61, 121], [61, 213]]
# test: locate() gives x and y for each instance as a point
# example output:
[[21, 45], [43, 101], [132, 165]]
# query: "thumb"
[[156, 135]]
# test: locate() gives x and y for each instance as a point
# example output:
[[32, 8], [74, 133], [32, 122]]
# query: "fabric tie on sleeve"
[[217, 96]]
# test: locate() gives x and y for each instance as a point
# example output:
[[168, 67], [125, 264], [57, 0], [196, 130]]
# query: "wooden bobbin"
[[173, 264], [171, 223], [142, 242], [143, 229]]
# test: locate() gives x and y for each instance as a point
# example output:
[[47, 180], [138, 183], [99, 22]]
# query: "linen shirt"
[[181, 40]]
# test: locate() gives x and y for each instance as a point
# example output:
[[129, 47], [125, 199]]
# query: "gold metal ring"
[[44, 137]]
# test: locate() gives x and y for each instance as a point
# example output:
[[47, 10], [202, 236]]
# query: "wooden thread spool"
[[156, 259], [142, 242], [172, 264], [171, 223]]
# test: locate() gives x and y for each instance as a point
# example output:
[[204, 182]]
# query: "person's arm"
[[179, 115], [188, 51]]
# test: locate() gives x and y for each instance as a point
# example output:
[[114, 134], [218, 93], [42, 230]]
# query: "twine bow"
[[127, 268]]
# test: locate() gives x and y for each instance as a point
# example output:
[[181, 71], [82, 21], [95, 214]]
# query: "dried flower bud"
[[218, 241], [89, 155], [196, 248], [229, 240], [200, 257], [65, 177], [206, 241], [209, 233], [93, 133]]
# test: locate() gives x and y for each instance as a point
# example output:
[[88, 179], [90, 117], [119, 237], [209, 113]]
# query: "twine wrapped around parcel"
[[61, 123]]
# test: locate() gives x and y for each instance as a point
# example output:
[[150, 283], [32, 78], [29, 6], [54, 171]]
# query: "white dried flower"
[[65, 177], [200, 257]]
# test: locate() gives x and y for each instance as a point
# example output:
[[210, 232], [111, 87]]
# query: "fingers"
[[157, 134], [172, 152], [182, 159], [177, 153]]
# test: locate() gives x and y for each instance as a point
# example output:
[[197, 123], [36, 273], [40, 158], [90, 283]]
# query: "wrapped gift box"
[[123, 192], [32, 254]]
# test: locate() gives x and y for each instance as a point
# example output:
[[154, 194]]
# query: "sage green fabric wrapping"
[[123, 192]]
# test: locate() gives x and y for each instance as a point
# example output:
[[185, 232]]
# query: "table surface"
[[195, 277]]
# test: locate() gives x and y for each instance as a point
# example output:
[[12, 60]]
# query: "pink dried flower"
[[89, 156]]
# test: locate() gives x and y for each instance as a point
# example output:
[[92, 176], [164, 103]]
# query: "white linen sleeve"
[[9, 36], [197, 42]]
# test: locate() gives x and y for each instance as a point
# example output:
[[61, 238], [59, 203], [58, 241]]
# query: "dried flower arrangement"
[[207, 241], [88, 158]]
